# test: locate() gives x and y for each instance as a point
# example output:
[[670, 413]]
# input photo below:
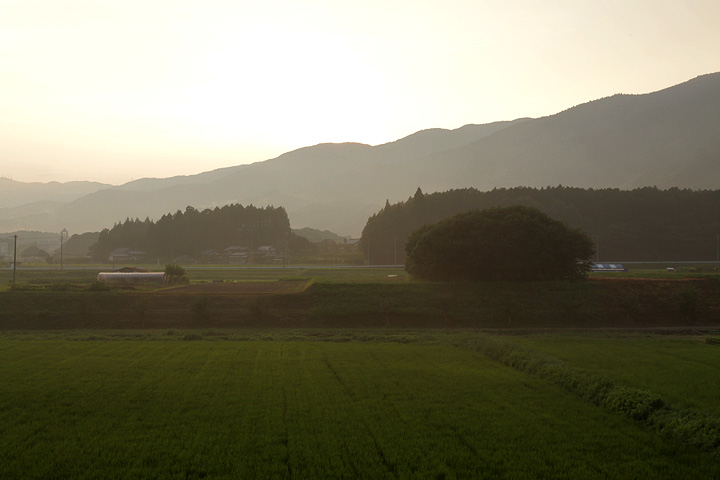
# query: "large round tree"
[[504, 243]]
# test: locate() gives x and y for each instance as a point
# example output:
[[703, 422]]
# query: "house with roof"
[[350, 245], [267, 251], [211, 256], [237, 255], [126, 254]]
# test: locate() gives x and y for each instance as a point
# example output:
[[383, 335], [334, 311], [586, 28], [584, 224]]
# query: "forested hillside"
[[193, 231], [645, 224]]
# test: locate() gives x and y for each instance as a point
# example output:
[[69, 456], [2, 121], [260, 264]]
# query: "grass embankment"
[[306, 409], [391, 302], [66, 310], [595, 303]]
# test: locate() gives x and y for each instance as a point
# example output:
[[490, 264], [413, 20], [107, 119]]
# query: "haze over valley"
[[666, 139]]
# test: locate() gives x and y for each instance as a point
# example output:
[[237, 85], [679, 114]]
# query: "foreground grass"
[[165, 408]]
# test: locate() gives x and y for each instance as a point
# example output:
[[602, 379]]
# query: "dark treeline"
[[645, 224], [194, 231]]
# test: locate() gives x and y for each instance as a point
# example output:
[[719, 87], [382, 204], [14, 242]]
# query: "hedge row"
[[688, 426]]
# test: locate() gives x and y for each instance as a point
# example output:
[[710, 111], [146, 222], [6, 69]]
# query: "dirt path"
[[246, 288]]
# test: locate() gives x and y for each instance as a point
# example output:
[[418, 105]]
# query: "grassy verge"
[[690, 365], [645, 406]]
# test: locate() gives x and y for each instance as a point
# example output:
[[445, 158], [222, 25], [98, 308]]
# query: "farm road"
[[246, 288]]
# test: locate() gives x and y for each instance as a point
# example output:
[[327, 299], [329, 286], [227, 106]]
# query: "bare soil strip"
[[246, 288]]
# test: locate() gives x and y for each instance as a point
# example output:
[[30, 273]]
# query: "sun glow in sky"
[[117, 90]]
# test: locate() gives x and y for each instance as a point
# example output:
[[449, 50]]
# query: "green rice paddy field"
[[684, 370], [344, 404]]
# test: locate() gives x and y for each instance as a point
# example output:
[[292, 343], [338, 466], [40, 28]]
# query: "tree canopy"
[[513, 243], [192, 231], [645, 224], [34, 251]]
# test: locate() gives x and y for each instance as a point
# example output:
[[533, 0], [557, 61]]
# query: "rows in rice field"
[[305, 409]]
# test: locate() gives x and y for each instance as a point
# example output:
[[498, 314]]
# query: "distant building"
[[350, 244], [184, 260], [237, 255], [236, 249], [267, 251], [211, 256], [239, 258], [125, 254]]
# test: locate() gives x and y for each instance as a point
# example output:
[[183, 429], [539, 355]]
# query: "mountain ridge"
[[667, 138]]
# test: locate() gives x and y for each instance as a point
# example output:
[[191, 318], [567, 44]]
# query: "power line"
[[30, 238]]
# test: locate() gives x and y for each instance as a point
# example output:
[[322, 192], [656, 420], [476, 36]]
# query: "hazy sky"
[[118, 90]]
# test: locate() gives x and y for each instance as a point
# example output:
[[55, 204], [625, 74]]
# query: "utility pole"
[[395, 250], [717, 248], [14, 259], [63, 236]]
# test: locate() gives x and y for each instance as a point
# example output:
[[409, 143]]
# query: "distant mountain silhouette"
[[15, 194], [665, 139]]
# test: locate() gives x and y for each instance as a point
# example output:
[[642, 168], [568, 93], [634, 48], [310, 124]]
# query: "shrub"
[[635, 403], [174, 272]]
